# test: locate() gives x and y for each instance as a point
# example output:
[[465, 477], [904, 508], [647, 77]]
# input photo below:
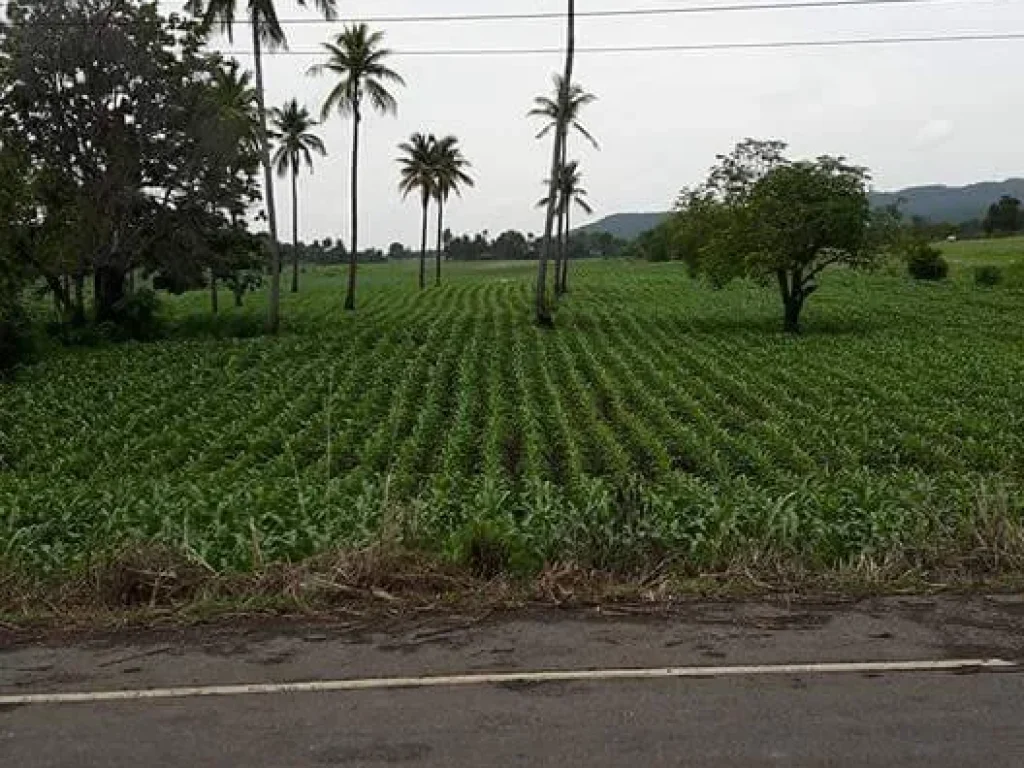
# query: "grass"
[[662, 425], [1001, 252]]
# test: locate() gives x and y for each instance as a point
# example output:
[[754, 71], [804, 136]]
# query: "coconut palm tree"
[[233, 111], [418, 174], [266, 30], [449, 176], [357, 59], [548, 107], [296, 144], [542, 314], [570, 193]]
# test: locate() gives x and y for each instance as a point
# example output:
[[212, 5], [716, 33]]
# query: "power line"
[[684, 48], [786, 5]]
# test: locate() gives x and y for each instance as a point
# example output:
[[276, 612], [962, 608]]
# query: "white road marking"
[[555, 676]]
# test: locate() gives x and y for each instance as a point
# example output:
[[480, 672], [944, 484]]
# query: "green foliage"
[[1004, 217], [660, 422], [988, 276], [762, 216], [925, 262], [135, 316]]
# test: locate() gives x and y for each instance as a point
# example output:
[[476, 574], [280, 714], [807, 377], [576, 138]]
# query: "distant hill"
[[951, 204], [936, 203], [626, 226]]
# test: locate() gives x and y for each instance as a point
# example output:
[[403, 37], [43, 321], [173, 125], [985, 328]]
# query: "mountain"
[[626, 226], [950, 204], [937, 203]]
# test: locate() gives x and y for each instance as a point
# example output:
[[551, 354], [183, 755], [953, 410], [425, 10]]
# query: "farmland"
[[659, 418]]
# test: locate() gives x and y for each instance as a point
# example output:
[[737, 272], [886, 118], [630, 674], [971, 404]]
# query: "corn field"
[[660, 419]]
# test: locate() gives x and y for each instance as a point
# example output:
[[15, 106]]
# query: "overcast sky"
[[915, 114]]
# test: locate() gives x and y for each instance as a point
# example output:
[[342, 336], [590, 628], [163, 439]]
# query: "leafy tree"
[[117, 114], [763, 216], [449, 176], [1004, 217], [266, 30], [296, 143], [357, 59], [802, 218], [510, 246], [418, 175]]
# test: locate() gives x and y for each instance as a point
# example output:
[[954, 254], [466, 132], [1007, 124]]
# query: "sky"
[[946, 113]]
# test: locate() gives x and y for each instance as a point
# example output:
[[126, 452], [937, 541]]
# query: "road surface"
[[699, 685]]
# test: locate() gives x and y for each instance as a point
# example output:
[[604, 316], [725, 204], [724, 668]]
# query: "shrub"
[[16, 340], [135, 316], [926, 263], [988, 276]]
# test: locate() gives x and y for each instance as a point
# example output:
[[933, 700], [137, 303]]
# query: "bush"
[[135, 316], [16, 340], [926, 263], [988, 276]]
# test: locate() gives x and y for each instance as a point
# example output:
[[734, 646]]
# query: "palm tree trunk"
[[274, 311], [564, 286], [542, 313], [295, 230], [440, 224], [560, 251], [350, 298], [423, 245]]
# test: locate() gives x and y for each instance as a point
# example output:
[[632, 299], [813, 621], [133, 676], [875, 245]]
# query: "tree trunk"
[[350, 298], [440, 223], [560, 252], [109, 290], [238, 298], [78, 311], [791, 289], [423, 245], [564, 287], [542, 312], [295, 230], [274, 308], [214, 299]]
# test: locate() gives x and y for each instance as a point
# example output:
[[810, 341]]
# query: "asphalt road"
[[936, 719]]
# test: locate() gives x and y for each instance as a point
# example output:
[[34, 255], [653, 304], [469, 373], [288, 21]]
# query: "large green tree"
[[113, 107], [772, 219], [450, 175], [266, 31], [358, 61], [296, 144], [1004, 216], [418, 174]]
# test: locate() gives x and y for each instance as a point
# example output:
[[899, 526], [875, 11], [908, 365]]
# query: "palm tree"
[[296, 144], [357, 59], [233, 109], [266, 29], [449, 175], [541, 312], [419, 174], [575, 99], [570, 193]]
